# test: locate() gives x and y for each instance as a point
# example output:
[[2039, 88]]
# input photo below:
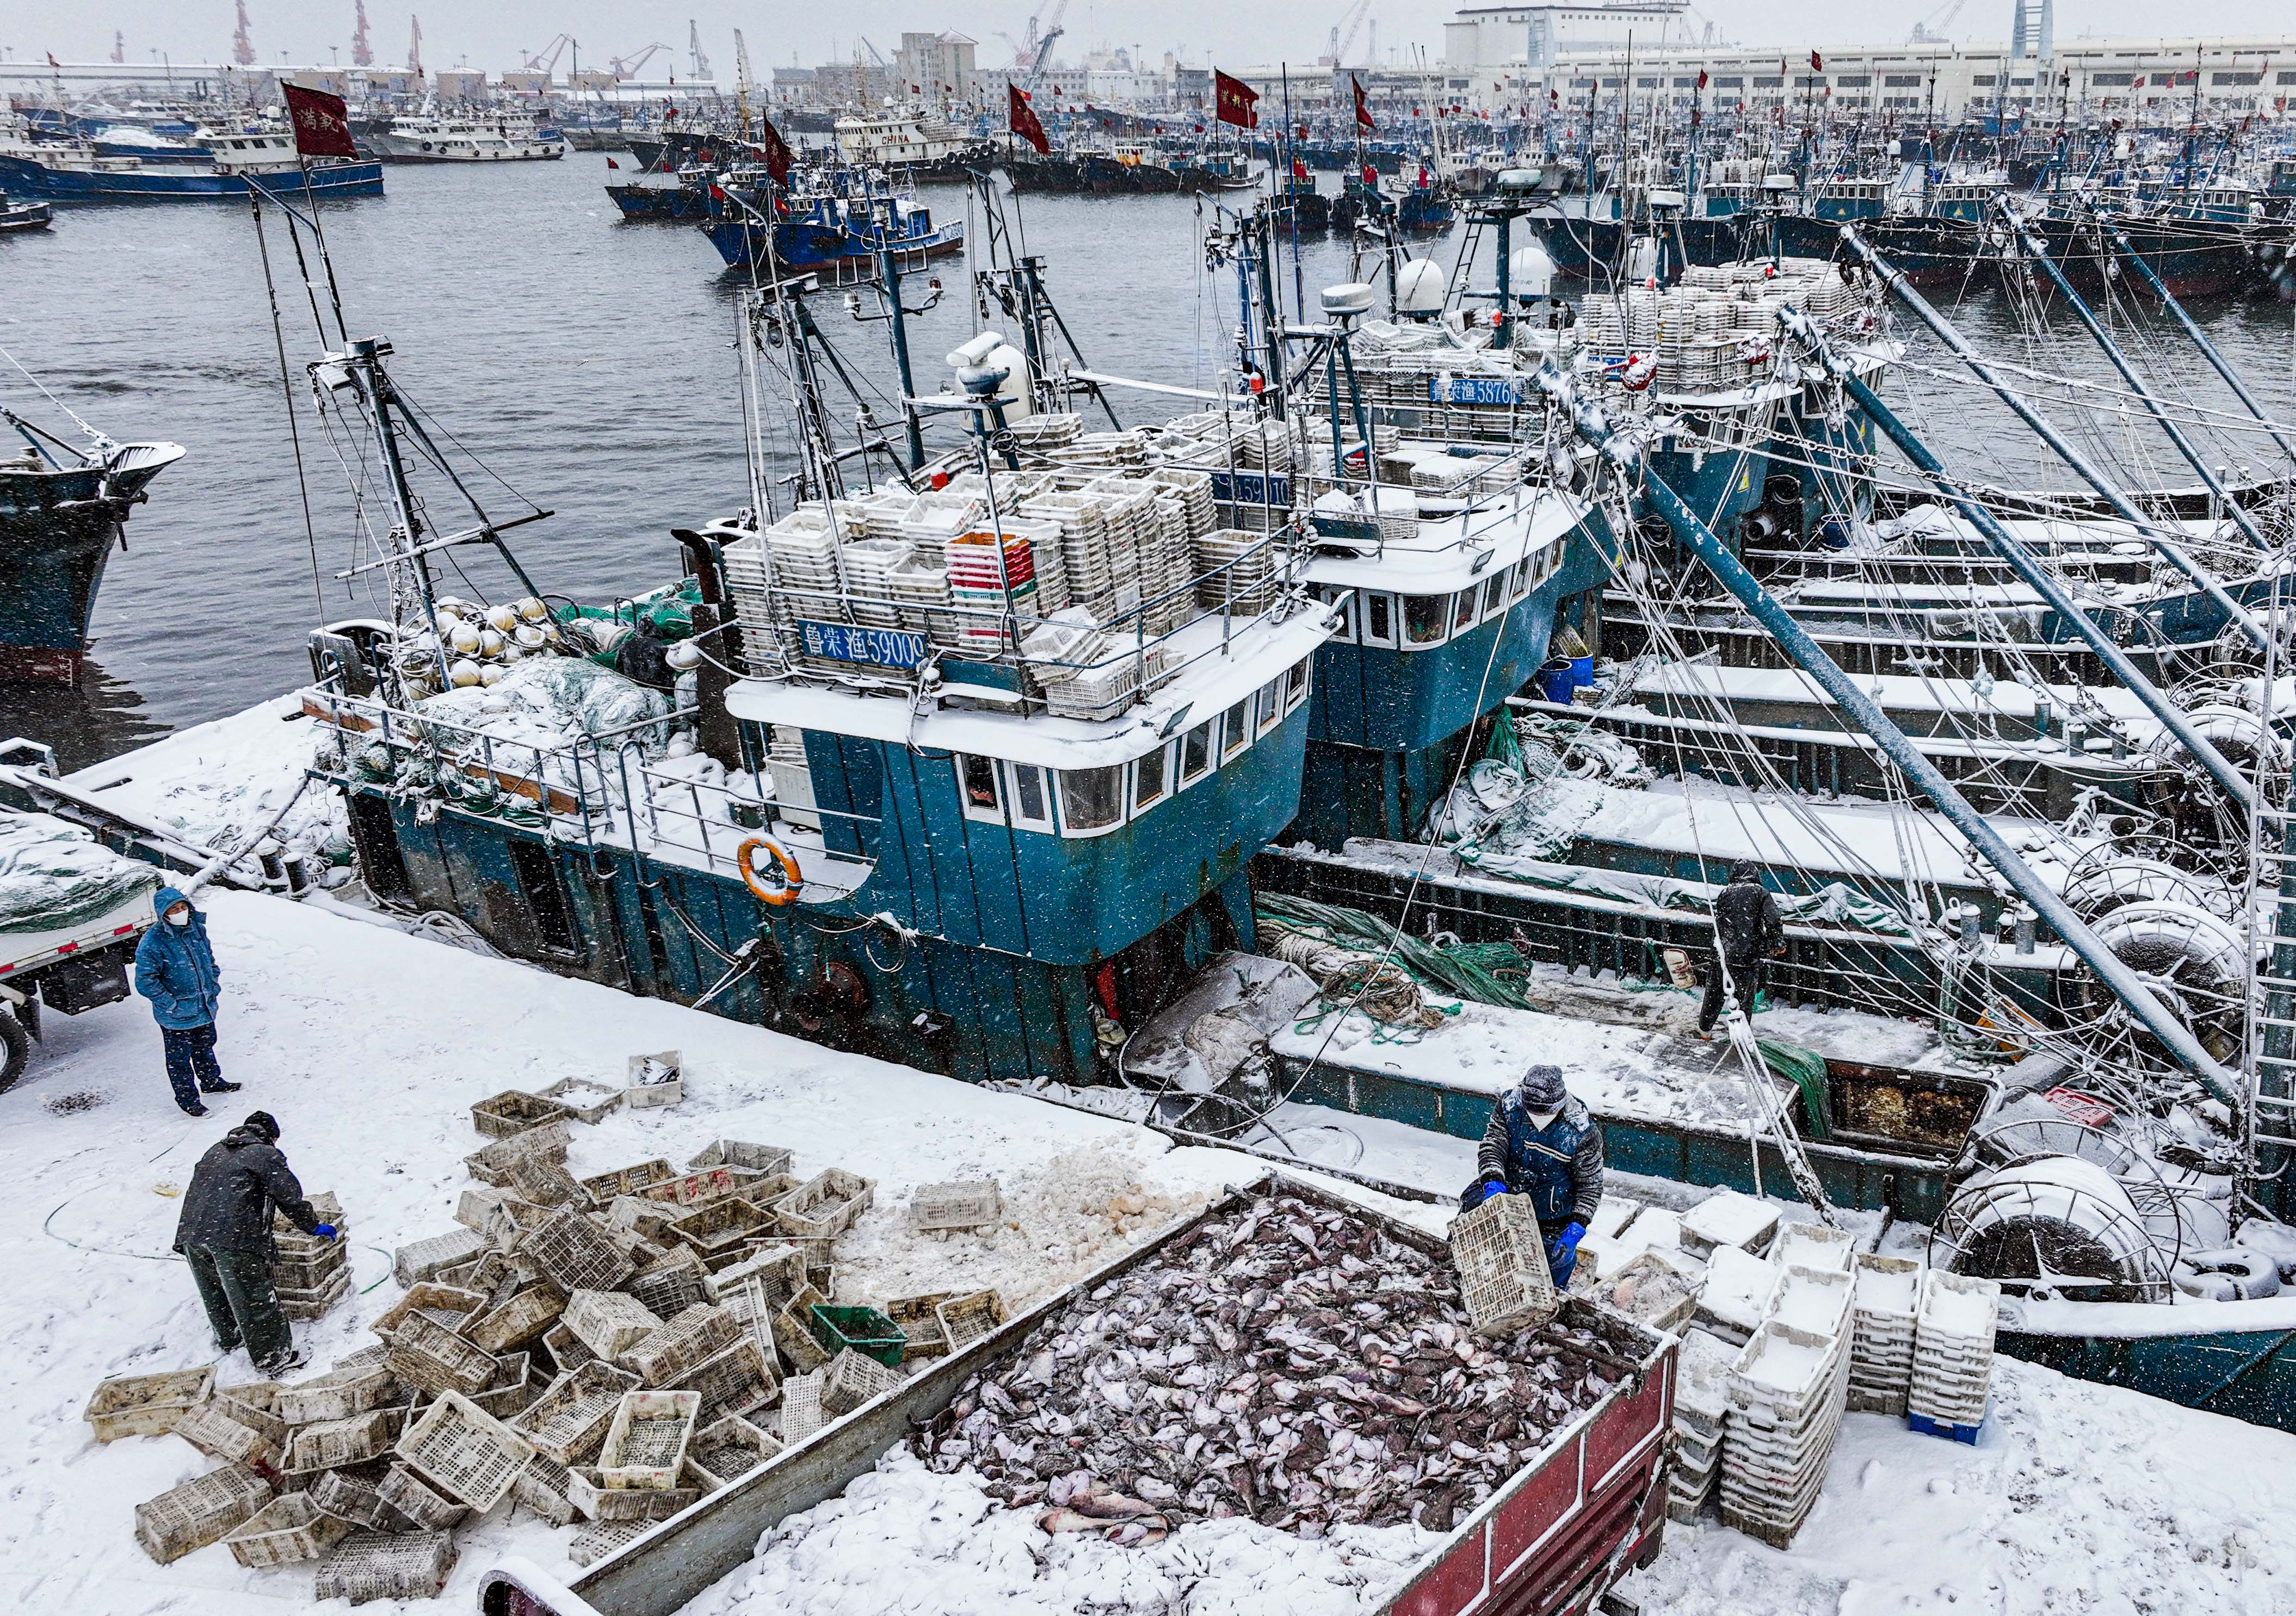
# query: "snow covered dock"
[[371, 1045]]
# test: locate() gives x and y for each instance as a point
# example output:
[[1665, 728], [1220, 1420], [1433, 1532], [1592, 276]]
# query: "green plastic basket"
[[863, 1329]]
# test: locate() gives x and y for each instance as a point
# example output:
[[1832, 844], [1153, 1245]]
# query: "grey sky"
[[495, 37]]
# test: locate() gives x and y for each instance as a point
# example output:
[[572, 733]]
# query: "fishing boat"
[[437, 138], [915, 143], [62, 510], [235, 160], [839, 222], [18, 216]]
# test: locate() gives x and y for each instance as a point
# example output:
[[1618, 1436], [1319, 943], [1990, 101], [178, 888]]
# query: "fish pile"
[[1290, 1363]]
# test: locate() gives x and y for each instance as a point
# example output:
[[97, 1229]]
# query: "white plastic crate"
[[645, 1445]]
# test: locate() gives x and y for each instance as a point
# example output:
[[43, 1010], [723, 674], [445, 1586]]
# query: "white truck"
[[67, 969]]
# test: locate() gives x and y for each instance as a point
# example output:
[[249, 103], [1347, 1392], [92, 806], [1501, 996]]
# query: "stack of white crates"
[[1889, 1299], [1787, 1392], [1701, 1402], [1953, 1355], [1738, 1292]]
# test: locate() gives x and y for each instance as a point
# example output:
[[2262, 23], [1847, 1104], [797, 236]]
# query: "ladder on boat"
[[2269, 908]]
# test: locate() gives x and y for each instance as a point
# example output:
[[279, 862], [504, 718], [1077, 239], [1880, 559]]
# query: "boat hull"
[[411, 149], [2244, 1374], [57, 529], [22, 177], [744, 244]]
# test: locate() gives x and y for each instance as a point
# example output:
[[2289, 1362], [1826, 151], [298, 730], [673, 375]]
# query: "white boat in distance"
[[433, 138]]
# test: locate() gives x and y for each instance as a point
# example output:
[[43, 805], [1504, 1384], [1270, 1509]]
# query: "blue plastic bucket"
[[1582, 672], [1557, 680]]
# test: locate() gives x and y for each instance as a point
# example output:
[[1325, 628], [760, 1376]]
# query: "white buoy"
[[491, 674], [531, 637], [502, 618], [532, 610], [464, 674], [464, 638], [490, 643]]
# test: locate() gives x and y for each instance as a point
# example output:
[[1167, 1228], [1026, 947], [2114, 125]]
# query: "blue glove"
[[1494, 1186], [326, 1231], [1562, 1254]]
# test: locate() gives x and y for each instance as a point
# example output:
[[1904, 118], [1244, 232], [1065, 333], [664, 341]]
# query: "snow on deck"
[[225, 777], [1726, 825]]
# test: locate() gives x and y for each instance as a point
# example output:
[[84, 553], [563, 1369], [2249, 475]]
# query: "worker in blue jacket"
[[175, 970], [1544, 1144]]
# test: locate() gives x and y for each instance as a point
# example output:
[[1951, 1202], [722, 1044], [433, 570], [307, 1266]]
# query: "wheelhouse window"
[[1463, 610], [1495, 594], [1236, 731], [1377, 619], [1152, 779], [976, 779], [1521, 574], [1295, 684], [1092, 800], [1423, 618], [1197, 753], [1032, 804], [1271, 704]]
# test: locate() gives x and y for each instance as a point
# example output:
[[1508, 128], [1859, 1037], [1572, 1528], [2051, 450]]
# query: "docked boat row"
[[1399, 709]]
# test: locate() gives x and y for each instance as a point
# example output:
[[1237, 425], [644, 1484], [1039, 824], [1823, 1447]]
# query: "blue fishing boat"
[[839, 226], [61, 511], [76, 172]]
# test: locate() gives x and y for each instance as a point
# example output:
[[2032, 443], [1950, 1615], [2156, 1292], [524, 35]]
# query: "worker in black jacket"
[[1543, 1143], [1748, 932], [224, 1234]]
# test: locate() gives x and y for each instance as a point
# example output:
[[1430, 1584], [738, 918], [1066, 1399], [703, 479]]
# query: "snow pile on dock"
[[904, 1539]]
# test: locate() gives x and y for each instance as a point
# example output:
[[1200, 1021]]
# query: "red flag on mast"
[[323, 123], [1022, 117], [1362, 105], [777, 152], [1235, 101], [1817, 62]]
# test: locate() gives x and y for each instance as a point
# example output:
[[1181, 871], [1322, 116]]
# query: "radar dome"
[[1419, 288], [1530, 272]]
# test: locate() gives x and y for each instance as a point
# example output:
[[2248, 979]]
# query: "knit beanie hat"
[[1542, 1088]]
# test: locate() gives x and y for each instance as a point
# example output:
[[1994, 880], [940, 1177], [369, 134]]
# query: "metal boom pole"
[[1624, 453]]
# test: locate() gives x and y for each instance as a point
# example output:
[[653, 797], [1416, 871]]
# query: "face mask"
[[179, 918]]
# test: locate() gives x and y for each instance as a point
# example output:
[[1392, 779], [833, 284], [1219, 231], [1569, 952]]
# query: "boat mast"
[[365, 356]]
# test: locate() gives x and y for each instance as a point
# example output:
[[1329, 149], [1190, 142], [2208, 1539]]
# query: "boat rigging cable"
[[287, 396]]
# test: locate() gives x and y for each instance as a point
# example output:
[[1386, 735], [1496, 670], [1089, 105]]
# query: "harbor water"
[[590, 364]]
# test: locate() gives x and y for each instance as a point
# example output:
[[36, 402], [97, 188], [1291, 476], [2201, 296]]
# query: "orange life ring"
[[787, 870]]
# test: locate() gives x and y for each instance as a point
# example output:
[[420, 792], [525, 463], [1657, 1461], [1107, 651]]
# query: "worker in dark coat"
[[643, 657], [1748, 932], [224, 1234], [1544, 1144], [175, 970]]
